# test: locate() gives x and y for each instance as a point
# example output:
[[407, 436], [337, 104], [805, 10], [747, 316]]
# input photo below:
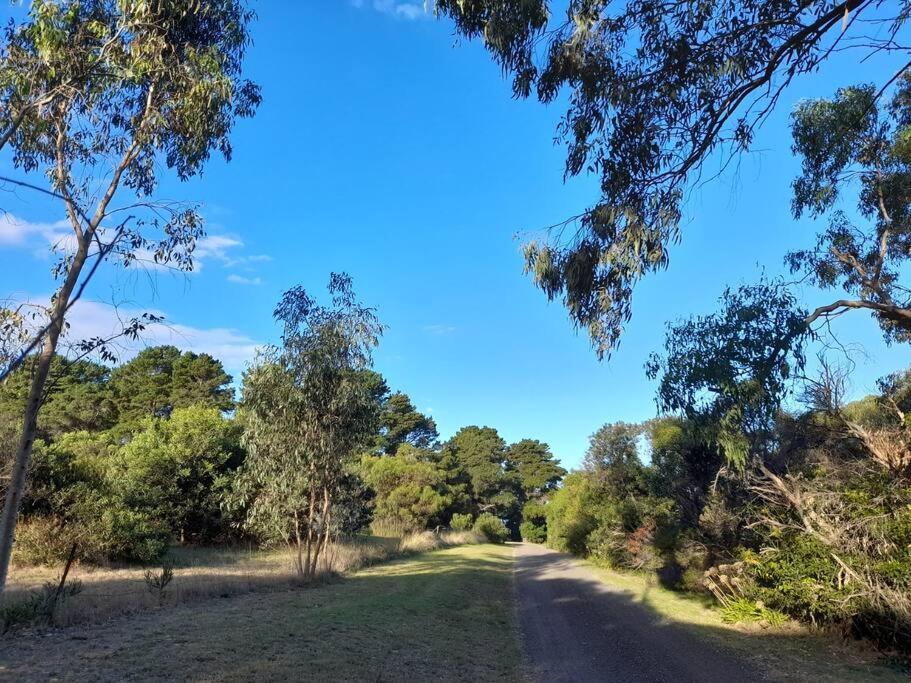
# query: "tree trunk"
[[322, 535], [30, 419]]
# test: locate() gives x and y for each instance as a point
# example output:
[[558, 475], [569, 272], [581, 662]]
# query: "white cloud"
[[216, 247], [241, 280], [409, 11], [91, 319], [16, 232]]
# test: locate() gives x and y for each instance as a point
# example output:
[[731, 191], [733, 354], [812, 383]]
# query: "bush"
[[492, 527], [533, 533], [460, 522]]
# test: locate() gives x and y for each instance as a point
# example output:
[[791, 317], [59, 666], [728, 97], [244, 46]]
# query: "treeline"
[[156, 451]]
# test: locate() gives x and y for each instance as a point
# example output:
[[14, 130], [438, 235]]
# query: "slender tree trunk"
[[30, 419], [323, 534], [311, 515], [298, 561]]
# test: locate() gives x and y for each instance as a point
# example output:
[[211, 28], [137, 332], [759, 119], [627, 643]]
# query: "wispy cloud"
[[17, 232], [409, 11], [439, 330], [241, 280], [224, 249], [91, 319]]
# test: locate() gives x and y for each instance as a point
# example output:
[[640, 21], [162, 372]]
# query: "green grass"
[[789, 653], [444, 615]]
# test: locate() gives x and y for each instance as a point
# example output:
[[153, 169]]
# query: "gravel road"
[[577, 628]]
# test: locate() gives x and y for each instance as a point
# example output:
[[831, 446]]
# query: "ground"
[[444, 615], [583, 623]]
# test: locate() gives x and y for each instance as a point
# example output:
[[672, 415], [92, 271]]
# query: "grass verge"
[[199, 574], [788, 653], [443, 615]]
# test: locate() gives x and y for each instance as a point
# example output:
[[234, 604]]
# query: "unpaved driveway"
[[576, 628]]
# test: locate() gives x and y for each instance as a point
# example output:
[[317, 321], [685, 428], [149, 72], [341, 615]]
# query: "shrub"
[[460, 522], [743, 610], [533, 533], [492, 527], [39, 606]]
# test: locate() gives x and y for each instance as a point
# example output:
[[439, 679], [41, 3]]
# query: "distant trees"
[[409, 489], [401, 423], [97, 96], [307, 412], [161, 378]]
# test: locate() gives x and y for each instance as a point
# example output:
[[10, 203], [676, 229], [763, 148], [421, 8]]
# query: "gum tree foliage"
[[654, 90], [732, 367], [307, 413], [97, 97], [851, 142]]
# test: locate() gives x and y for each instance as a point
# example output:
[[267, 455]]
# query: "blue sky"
[[386, 149]]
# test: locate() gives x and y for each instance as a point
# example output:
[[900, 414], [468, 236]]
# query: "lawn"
[[790, 653], [443, 615]]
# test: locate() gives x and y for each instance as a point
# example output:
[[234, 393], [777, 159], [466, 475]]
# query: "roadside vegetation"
[[759, 486]]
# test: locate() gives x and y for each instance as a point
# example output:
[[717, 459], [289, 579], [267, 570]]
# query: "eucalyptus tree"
[[308, 414], [96, 97], [852, 142], [655, 89], [732, 368]]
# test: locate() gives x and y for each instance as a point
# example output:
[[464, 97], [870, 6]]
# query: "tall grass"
[[208, 573]]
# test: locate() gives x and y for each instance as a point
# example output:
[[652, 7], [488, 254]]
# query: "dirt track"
[[576, 628]]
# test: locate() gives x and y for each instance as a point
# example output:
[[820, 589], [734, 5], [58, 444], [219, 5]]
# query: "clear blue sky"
[[386, 150]]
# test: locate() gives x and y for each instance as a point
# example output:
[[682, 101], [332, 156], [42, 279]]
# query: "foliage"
[[537, 470], [178, 470], [307, 412], [401, 423], [161, 378], [406, 488], [39, 606], [533, 533], [158, 582], [654, 90], [748, 611], [845, 142], [732, 367], [492, 527], [460, 522]]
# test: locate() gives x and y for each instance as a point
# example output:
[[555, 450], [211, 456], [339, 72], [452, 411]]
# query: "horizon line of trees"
[[154, 451]]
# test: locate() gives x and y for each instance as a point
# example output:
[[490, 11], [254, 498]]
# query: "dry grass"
[[439, 616], [206, 573]]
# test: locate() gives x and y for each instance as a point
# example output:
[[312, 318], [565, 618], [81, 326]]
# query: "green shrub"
[[39, 606], [801, 578], [743, 610], [492, 527], [460, 522], [533, 533]]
